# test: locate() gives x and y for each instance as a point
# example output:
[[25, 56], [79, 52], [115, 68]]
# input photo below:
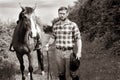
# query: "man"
[[65, 34]]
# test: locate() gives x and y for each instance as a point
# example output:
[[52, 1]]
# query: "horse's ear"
[[21, 6], [35, 6]]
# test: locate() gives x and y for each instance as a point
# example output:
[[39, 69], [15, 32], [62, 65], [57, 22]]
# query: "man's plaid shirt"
[[66, 33]]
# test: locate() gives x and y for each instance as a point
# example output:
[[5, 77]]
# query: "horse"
[[21, 41]]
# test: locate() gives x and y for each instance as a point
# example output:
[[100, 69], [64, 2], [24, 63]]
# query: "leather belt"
[[64, 48]]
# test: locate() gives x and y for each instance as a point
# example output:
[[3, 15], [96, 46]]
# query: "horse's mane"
[[22, 31]]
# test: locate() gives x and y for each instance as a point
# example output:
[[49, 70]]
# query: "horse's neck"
[[19, 34], [22, 32]]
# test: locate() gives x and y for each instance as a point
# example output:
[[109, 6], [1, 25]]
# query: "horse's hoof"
[[28, 74], [43, 73], [31, 79], [23, 78]]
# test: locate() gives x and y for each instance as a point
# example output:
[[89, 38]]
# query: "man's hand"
[[78, 56], [46, 47]]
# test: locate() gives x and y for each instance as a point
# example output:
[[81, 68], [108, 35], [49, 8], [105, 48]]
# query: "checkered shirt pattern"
[[66, 33]]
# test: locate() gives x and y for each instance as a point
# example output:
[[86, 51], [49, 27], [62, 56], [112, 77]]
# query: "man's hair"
[[63, 8]]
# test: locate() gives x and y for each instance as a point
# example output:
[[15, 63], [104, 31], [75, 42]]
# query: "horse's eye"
[[25, 17], [24, 12]]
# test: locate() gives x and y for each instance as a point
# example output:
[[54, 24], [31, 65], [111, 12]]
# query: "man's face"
[[62, 14]]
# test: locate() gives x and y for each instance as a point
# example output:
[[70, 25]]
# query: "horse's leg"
[[22, 67], [40, 60], [30, 68]]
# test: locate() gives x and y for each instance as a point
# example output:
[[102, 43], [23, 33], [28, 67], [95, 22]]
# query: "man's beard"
[[63, 19]]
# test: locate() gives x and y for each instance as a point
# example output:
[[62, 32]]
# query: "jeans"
[[63, 65]]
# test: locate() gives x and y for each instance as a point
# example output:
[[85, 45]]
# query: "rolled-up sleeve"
[[76, 32]]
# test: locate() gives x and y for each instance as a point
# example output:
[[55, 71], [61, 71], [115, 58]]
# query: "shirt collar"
[[67, 21]]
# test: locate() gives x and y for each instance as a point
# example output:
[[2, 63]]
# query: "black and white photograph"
[[59, 39]]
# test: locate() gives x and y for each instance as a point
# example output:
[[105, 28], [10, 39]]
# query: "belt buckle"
[[63, 48], [69, 48]]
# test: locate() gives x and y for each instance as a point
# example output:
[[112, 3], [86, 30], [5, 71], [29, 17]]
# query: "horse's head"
[[26, 19]]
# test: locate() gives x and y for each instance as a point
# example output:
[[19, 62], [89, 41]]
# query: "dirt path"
[[35, 77], [93, 66]]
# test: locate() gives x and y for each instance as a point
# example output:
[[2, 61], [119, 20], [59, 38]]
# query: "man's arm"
[[51, 41], [77, 37], [79, 46]]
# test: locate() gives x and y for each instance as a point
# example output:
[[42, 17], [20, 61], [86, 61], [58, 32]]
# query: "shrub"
[[7, 70], [98, 19]]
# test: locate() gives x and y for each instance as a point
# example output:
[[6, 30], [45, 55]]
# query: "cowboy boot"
[[75, 78], [62, 77]]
